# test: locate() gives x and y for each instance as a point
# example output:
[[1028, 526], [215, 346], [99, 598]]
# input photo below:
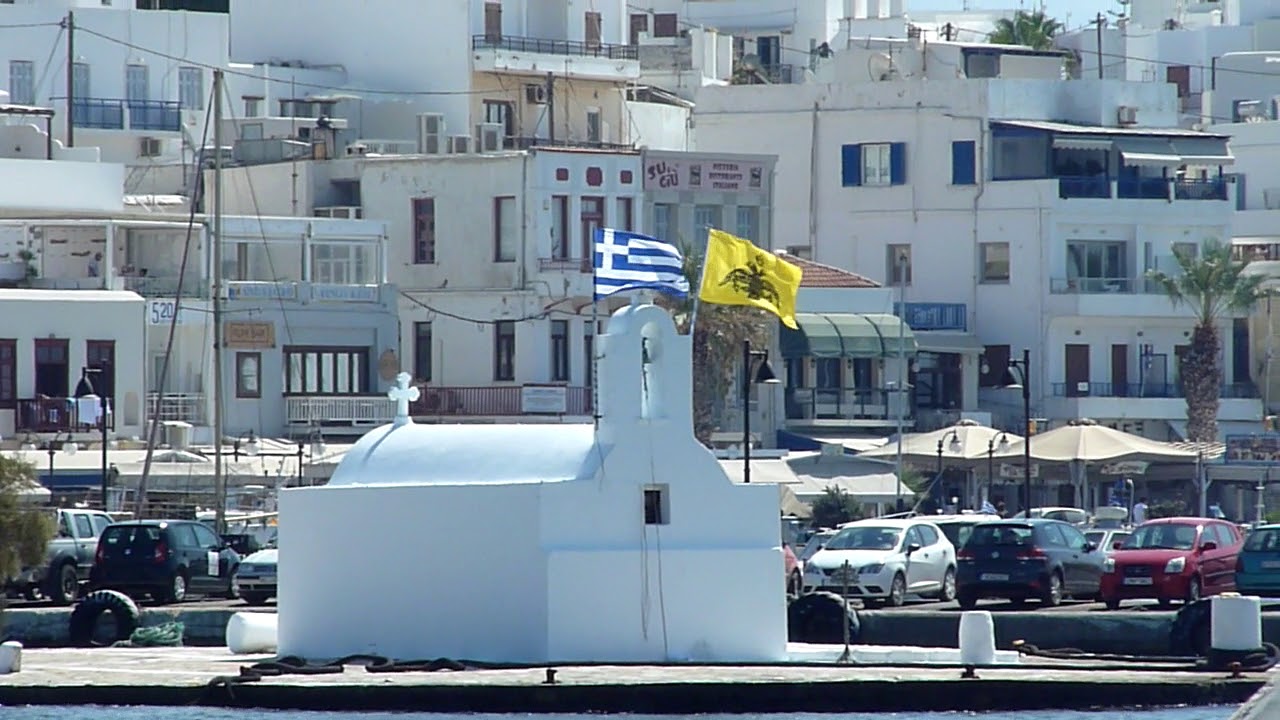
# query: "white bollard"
[[977, 638], [1235, 623], [252, 632], [10, 657]]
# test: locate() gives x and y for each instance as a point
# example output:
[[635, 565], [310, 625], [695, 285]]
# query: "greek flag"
[[630, 261]]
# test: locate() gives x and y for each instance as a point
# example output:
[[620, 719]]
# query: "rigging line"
[[546, 312], [48, 64], [153, 430]]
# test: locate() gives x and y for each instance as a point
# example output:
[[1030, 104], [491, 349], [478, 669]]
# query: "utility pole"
[[219, 481], [1098, 23], [70, 25], [551, 107]]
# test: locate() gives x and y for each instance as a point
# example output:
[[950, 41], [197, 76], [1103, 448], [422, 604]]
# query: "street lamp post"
[[58, 443], [1024, 368], [763, 375], [991, 463], [85, 389], [954, 446], [252, 448]]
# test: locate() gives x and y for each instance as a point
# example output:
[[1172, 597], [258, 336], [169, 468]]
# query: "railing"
[[50, 415], [777, 74], [555, 47], [109, 114], [1091, 285], [354, 410], [1229, 391], [1084, 187], [1212, 189], [181, 407], [167, 287], [934, 316], [1101, 186], [491, 401], [1143, 188], [581, 265], [522, 142], [154, 115], [813, 403]]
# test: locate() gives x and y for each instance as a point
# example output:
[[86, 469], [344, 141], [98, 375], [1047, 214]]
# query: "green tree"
[[24, 531], [1213, 285], [1032, 29], [717, 345], [835, 507]]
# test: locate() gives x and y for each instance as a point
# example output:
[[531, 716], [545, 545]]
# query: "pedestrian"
[[1140, 511], [95, 269], [1000, 508]]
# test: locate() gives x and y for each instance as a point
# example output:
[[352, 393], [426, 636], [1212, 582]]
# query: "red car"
[[1181, 558]]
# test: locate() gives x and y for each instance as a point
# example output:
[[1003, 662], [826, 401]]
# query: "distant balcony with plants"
[[586, 59], [120, 114]]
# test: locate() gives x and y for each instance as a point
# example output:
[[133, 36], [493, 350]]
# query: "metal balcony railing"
[[1154, 188], [182, 407], [817, 403], [521, 142], [1229, 391], [489, 401], [555, 47], [54, 414], [109, 114]]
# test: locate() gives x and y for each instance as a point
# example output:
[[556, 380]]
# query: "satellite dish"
[[880, 66], [751, 61]]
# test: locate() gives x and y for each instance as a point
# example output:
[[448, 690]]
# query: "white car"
[[888, 559]]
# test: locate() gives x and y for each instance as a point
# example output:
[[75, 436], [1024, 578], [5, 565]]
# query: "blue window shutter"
[[850, 165], [898, 163], [963, 165]]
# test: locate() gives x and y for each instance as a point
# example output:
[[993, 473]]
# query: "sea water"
[[1218, 712]]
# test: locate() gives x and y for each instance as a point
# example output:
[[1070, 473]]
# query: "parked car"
[[1019, 560], [958, 527], [1180, 558], [166, 559], [68, 557], [816, 542], [792, 570], [1069, 515], [1258, 564], [256, 577], [887, 560], [1107, 540]]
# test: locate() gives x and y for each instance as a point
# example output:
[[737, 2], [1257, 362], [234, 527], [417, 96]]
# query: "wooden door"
[[1120, 370], [639, 24], [1077, 366], [493, 21]]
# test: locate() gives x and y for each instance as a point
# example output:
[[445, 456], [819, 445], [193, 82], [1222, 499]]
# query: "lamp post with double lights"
[[954, 445], [992, 446], [253, 448], [59, 443], [1012, 380], [84, 390], [763, 375]]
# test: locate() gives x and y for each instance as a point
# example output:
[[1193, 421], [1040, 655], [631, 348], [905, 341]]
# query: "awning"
[[1081, 143], [950, 342], [1203, 151], [1148, 152], [847, 335]]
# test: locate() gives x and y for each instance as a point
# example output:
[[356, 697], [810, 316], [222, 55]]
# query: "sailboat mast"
[[219, 481]]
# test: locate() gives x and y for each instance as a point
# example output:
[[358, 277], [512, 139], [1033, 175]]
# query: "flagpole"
[[595, 341], [697, 292]]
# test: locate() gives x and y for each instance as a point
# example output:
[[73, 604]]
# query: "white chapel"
[[541, 543]]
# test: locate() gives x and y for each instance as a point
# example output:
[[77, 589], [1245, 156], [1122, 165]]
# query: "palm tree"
[[1213, 285], [1033, 29]]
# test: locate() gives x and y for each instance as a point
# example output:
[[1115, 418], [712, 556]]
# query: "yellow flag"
[[736, 272]]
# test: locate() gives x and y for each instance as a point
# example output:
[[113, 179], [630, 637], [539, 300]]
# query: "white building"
[[585, 514], [1051, 205]]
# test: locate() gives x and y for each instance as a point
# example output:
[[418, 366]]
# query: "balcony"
[[537, 56], [116, 114], [1146, 401], [814, 406], [1155, 188], [52, 415], [166, 286], [181, 407], [339, 410], [935, 316], [769, 75], [1229, 391], [1096, 296], [573, 265], [502, 401], [522, 142]]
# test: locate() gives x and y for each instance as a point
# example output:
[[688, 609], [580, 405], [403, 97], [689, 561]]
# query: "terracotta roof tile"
[[818, 275]]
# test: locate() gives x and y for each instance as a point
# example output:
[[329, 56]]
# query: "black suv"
[[166, 559]]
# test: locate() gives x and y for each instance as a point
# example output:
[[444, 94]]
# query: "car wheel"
[[1193, 590], [1052, 596], [177, 590], [897, 591], [968, 601], [254, 598], [65, 586], [948, 591], [1112, 603], [233, 588]]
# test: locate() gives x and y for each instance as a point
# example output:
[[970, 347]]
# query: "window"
[[560, 350], [80, 80], [252, 106], [424, 231], [588, 354], [749, 222], [995, 360], [51, 368], [828, 373], [591, 29], [135, 83], [639, 24], [995, 262], [1096, 266], [500, 112], [84, 528], [657, 509], [626, 214], [504, 350], [876, 164], [191, 88], [664, 221], [898, 264], [665, 25], [506, 231], [22, 87], [705, 217], [493, 21], [1189, 249], [592, 217], [325, 370], [102, 354], [8, 373], [342, 263], [422, 351], [593, 125], [206, 538], [963, 162], [560, 227], [248, 375]]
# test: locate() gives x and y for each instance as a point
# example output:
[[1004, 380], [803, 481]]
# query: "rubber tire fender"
[[84, 618]]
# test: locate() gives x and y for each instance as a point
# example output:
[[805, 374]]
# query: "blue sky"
[[1081, 11]]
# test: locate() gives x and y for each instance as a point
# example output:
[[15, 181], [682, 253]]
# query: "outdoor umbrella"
[[1086, 441], [965, 443]]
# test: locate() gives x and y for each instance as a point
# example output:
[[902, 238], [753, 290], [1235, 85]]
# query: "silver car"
[[256, 577]]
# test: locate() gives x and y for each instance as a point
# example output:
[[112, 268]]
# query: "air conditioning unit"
[[347, 212], [488, 137], [177, 434], [535, 94], [148, 147], [459, 144], [431, 137], [1127, 115]]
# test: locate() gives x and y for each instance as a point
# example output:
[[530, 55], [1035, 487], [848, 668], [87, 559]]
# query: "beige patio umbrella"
[[965, 442], [1086, 441]]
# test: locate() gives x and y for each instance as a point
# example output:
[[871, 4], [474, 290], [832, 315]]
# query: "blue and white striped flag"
[[630, 261]]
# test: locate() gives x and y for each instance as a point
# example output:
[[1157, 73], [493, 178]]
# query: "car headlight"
[[1109, 565], [1175, 565], [871, 569]]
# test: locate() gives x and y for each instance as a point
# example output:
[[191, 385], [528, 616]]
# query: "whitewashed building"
[[1053, 201]]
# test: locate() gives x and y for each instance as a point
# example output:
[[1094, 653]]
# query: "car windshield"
[[1096, 537], [131, 539], [815, 544], [865, 538], [956, 532], [991, 534], [1162, 536], [1263, 540]]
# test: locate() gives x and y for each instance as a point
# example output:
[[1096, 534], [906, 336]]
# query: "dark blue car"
[[166, 559], [1019, 560]]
